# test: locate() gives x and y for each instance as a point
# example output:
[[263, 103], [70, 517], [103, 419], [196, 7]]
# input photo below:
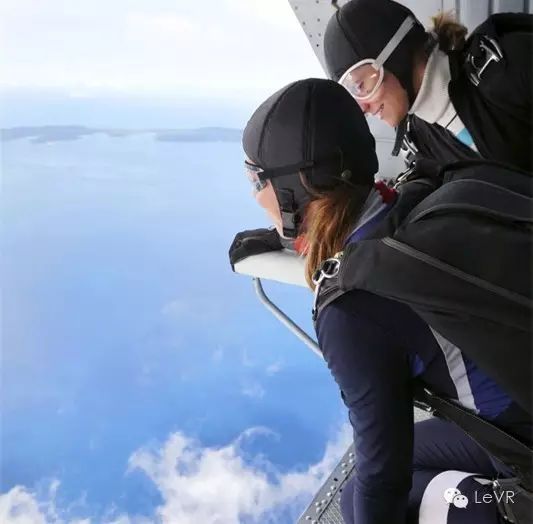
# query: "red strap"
[[388, 194], [300, 245]]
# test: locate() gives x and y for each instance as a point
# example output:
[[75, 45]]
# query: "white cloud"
[[253, 390], [257, 431], [217, 486], [201, 309], [276, 13], [19, 506], [210, 48], [274, 368], [161, 25], [211, 485], [175, 309]]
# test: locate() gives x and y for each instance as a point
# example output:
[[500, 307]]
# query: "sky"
[[109, 421], [142, 380], [166, 47], [94, 310], [217, 482]]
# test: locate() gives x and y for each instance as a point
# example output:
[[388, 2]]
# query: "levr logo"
[[455, 497]]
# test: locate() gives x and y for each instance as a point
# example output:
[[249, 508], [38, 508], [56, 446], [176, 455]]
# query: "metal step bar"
[[285, 319]]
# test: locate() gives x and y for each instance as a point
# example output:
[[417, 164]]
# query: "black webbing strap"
[[291, 169], [294, 169], [498, 443], [401, 129], [290, 218]]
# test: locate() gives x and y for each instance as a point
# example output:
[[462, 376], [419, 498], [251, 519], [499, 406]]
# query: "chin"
[[393, 121]]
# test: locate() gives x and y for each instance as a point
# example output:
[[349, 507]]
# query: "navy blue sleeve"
[[372, 372]]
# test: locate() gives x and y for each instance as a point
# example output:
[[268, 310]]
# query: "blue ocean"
[[123, 323]]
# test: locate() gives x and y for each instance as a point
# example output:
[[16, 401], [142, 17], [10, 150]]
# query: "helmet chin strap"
[[292, 195], [290, 216], [292, 198]]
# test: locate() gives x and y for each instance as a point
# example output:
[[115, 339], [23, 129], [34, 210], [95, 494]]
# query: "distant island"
[[47, 134]]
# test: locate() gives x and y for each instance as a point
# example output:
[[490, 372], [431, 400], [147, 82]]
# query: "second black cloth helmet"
[[312, 126], [362, 28]]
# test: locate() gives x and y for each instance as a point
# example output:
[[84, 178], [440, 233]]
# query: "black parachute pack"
[[497, 63], [461, 257], [490, 89]]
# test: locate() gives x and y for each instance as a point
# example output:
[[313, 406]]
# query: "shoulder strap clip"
[[490, 51], [327, 270], [408, 148]]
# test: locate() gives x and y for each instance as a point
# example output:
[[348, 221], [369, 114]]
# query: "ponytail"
[[449, 33]]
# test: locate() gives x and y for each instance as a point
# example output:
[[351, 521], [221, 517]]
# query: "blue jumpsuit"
[[375, 349]]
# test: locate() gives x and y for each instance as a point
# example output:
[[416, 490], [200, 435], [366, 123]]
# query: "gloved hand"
[[253, 242]]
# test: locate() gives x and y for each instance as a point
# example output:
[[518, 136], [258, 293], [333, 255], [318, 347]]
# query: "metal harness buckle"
[[492, 53], [328, 269], [404, 175], [408, 149]]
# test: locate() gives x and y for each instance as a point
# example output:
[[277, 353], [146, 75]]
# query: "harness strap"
[[290, 218], [400, 133], [494, 440], [510, 488], [479, 197], [497, 442], [483, 50], [404, 142]]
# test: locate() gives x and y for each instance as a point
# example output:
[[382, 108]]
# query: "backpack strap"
[[514, 502], [474, 162], [517, 455], [327, 291], [494, 440], [477, 197], [327, 288], [404, 143], [497, 442]]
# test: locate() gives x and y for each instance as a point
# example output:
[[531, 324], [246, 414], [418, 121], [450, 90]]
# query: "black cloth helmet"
[[315, 127], [362, 28]]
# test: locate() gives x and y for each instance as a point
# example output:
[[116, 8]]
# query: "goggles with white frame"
[[363, 79]]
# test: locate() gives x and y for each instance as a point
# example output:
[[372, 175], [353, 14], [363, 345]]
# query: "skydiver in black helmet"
[[449, 98], [313, 170]]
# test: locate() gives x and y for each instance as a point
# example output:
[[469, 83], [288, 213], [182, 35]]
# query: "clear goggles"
[[252, 173], [364, 78]]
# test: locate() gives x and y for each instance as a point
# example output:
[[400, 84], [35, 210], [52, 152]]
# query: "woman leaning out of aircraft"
[[449, 99], [313, 170]]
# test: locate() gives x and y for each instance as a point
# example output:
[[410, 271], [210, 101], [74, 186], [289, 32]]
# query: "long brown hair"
[[449, 32], [329, 218]]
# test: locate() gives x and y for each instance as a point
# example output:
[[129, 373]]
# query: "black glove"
[[253, 242]]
